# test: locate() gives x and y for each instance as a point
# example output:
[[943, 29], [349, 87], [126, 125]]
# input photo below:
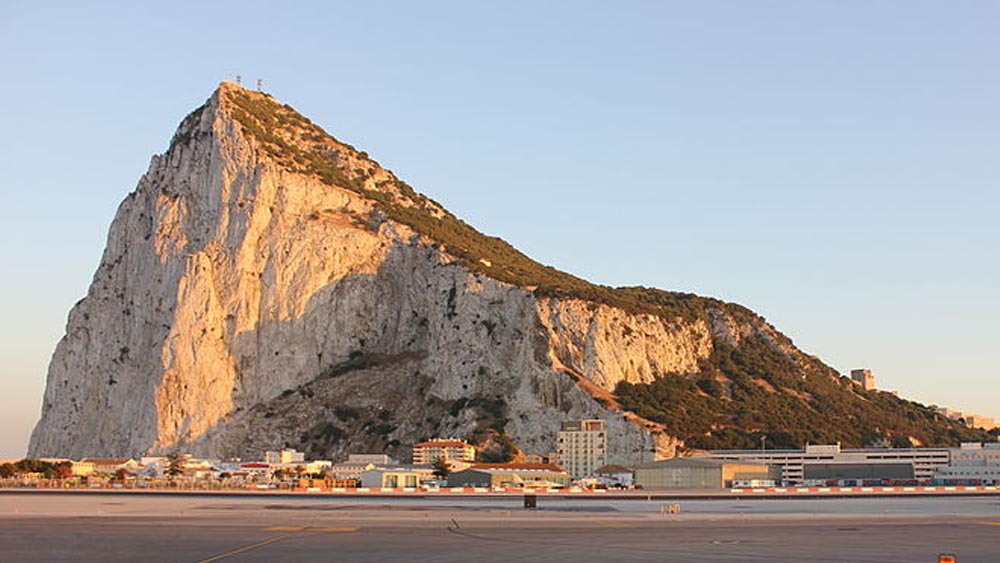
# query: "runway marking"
[[244, 549], [609, 523], [312, 529], [334, 529], [988, 523]]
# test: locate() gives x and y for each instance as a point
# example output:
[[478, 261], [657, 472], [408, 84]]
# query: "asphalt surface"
[[112, 528]]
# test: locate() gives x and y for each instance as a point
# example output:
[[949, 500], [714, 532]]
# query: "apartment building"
[[582, 447], [450, 449]]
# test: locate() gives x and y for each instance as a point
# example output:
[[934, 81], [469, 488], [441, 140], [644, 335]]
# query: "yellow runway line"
[[312, 529], [244, 549], [334, 529], [988, 523]]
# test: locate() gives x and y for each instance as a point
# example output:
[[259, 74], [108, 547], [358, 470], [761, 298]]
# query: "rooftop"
[[443, 444], [106, 460], [612, 468], [517, 467], [682, 462], [813, 451]]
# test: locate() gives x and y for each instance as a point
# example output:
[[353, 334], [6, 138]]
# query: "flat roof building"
[[426, 453], [973, 420], [976, 454], [377, 459], [973, 462], [693, 473], [925, 461], [864, 378], [109, 465], [399, 476], [284, 456], [526, 475]]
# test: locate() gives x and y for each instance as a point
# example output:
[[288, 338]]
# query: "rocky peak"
[[267, 285]]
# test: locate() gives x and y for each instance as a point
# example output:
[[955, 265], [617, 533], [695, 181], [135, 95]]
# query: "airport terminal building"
[[831, 462], [972, 463]]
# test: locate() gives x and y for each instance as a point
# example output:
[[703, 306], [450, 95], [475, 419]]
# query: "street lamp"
[[763, 448]]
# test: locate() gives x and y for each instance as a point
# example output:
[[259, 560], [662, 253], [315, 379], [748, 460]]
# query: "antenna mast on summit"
[[239, 80], [260, 84]]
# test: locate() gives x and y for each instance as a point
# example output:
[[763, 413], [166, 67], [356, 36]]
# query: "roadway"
[[192, 529]]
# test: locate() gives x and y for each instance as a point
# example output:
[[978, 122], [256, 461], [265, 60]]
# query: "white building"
[[377, 459], [980, 421], [451, 449], [357, 464], [111, 465], [972, 462], [925, 461], [963, 475], [583, 446], [975, 454], [348, 470], [970, 419], [284, 456]]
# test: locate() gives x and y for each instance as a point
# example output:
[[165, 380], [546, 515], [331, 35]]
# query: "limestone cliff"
[[268, 285]]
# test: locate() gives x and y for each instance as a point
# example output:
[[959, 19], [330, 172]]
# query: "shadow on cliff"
[[336, 374]]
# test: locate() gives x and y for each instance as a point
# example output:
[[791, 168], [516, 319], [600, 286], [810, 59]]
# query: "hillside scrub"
[[767, 394]]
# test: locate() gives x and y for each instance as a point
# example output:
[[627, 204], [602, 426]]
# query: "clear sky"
[[834, 166]]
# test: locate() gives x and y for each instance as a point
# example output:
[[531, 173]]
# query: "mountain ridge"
[[264, 274], [479, 254]]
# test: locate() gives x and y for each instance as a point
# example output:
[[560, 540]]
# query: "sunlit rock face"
[[243, 304]]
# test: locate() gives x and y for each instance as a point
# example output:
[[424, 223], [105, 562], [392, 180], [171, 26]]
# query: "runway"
[[186, 529]]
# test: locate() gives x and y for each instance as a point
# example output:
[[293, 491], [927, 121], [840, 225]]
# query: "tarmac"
[[204, 529]]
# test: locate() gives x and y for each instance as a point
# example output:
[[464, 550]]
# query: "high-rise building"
[[583, 446]]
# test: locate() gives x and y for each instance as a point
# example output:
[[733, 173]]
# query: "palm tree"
[[175, 464]]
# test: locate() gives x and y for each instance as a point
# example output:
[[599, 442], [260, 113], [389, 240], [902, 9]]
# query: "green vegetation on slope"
[[740, 393], [753, 390], [304, 147]]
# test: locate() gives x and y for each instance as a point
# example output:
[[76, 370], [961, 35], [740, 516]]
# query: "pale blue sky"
[[834, 166]]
